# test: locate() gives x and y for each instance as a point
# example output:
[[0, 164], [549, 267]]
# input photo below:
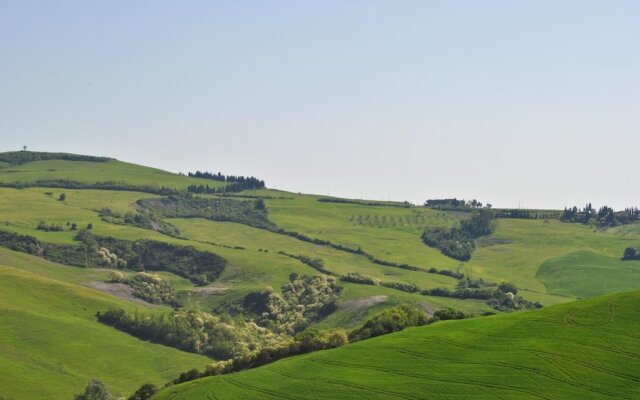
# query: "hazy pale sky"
[[503, 101]]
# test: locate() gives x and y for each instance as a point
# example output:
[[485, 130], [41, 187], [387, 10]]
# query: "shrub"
[[458, 242], [391, 320], [96, 390], [630, 253], [141, 219], [218, 209], [405, 287], [355, 277], [152, 288], [304, 299], [145, 392], [193, 331]]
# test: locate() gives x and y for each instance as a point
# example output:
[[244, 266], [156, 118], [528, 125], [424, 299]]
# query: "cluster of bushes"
[[141, 219], [315, 263], [301, 343], [96, 390], [193, 331], [72, 226], [355, 277], [458, 242], [149, 287], [448, 204], [64, 254], [43, 226], [404, 204], [391, 320], [503, 297], [405, 287], [219, 209], [231, 188], [631, 253], [239, 182], [109, 259], [106, 185], [604, 217], [200, 267], [518, 213], [305, 299], [22, 157]]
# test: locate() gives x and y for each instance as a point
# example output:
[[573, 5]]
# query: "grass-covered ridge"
[[29, 169], [145, 219], [587, 350]]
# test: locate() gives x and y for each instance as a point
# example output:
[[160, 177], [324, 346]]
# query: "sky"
[[534, 103]]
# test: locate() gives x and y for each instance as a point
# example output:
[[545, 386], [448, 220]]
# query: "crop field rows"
[[416, 220]]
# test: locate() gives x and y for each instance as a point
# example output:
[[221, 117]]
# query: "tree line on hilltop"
[[602, 217], [237, 182]]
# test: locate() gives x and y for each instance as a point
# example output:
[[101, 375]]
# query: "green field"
[[576, 273], [52, 346], [549, 261], [93, 172], [583, 350]]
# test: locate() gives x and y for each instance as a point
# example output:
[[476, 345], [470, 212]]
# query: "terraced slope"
[[582, 350], [51, 344]]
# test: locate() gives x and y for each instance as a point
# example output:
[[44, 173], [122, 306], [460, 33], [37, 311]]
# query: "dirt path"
[[119, 290], [362, 303]]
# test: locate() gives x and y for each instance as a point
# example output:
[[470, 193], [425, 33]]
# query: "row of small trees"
[[249, 180]]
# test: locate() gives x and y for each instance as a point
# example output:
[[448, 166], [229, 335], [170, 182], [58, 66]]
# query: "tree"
[[95, 390], [89, 226], [144, 392], [506, 287], [74, 226], [630, 253], [62, 197]]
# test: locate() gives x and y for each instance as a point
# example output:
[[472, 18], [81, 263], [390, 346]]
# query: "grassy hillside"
[[587, 350], [575, 274], [51, 344], [514, 253], [90, 172], [549, 261]]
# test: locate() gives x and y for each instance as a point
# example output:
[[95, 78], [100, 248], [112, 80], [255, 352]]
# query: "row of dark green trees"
[[604, 216]]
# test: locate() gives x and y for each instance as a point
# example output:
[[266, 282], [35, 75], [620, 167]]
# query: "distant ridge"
[[22, 157]]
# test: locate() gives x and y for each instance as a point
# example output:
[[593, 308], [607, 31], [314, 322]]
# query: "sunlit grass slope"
[[582, 350], [514, 253], [585, 274], [51, 344], [92, 172], [249, 269]]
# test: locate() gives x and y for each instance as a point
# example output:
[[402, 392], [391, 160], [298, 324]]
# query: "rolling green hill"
[[266, 236], [51, 345], [584, 350], [91, 172]]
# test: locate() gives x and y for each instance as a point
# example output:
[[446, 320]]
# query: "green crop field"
[[583, 350], [49, 332]]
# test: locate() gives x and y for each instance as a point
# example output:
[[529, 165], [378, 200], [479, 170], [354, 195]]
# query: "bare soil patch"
[[119, 290]]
